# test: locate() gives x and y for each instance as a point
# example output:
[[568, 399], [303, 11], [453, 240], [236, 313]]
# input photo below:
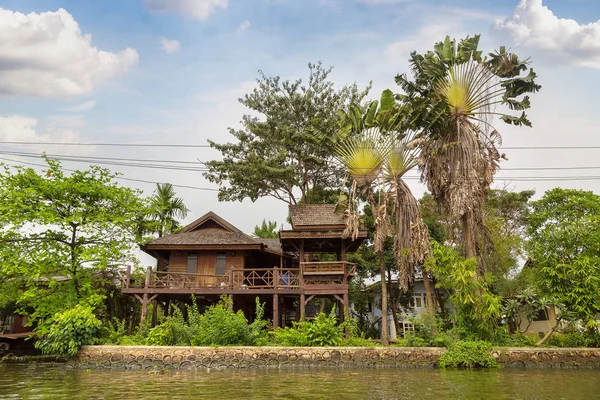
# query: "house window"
[[541, 315], [418, 300], [221, 263], [192, 263]]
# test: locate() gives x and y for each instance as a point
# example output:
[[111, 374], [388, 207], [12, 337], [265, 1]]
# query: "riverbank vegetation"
[[491, 259]]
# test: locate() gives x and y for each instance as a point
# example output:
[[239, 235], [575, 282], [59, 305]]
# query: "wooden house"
[[210, 257]]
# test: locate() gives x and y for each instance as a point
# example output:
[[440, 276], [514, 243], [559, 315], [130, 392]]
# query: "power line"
[[192, 145], [133, 163], [109, 144], [117, 177], [136, 162]]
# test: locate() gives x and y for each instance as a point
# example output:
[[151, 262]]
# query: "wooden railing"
[[235, 278], [328, 268], [309, 273]]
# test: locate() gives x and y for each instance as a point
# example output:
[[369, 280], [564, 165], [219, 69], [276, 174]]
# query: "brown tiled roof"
[[314, 215], [272, 244], [205, 237]]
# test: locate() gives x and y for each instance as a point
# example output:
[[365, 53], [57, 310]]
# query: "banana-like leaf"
[[387, 100]]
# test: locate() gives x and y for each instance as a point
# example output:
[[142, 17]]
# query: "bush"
[[67, 331], [468, 354], [323, 330], [174, 331], [220, 326]]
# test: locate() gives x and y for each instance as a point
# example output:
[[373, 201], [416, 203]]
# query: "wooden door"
[[206, 266]]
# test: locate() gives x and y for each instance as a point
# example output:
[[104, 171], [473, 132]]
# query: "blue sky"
[[170, 71]]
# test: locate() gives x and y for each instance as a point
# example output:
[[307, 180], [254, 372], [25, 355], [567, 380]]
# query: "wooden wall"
[[178, 260]]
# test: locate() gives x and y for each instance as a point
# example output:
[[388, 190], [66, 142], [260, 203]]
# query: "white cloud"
[[563, 40], [243, 26], [199, 10], [169, 46], [24, 129], [85, 106], [46, 54]]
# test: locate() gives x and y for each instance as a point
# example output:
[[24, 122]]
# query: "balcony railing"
[[309, 274], [235, 278]]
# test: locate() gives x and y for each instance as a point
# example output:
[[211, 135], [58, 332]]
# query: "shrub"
[[291, 336], [324, 330], [220, 326], [67, 331], [468, 354], [174, 331]]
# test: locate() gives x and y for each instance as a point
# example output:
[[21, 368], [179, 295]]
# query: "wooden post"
[[276, 282], [167, 305], [346, 311], [145, 302], [275, 311], [154, 312], [148, 277], [231, 277], [128, 281], [302, 307]]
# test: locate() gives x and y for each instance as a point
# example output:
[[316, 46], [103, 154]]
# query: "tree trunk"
[[394, 301], [384, 302], [469, 235], [430, 300]]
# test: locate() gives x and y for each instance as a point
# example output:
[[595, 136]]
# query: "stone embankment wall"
[[192, 358]]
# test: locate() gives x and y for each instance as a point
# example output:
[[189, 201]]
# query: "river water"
[[56, 382]]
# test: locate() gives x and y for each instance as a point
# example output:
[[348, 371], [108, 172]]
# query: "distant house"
[[406, 316], [210, 257], [541, 324]]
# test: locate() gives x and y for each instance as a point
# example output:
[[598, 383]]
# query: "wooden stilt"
[[154, 312], [275, 311], [167, 305], [145, 302], [302, 307]]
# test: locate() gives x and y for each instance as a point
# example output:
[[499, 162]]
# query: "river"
[[37, 381]]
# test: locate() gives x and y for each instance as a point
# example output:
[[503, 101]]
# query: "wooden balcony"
[[311, 275]]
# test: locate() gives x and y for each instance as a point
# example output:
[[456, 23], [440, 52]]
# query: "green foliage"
[[323, 330], [476, 309], [63, 235], [575, 338], [67, 331], [174, 331], [266, 230], [220, 326], [468, 354], [163, 211], [287, 150], [564, 231]]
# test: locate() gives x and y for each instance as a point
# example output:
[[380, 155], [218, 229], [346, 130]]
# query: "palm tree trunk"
[[429, 294], [384, 302], [394, 301]]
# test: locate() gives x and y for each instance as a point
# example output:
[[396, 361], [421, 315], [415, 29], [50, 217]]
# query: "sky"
[[171, 72]]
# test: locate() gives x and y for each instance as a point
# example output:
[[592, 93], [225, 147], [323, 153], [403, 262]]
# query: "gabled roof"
[[210, 216], [212, 231], [315, 216]]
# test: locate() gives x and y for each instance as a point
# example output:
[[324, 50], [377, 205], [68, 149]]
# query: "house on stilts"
[[210, 257]]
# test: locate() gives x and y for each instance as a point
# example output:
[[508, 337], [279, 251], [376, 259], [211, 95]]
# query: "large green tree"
[[266, 230], [284, 149], [564, 248], [62, 235], [452, 99]]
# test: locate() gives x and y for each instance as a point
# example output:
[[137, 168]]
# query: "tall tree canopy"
[[266, 230], [165, 208], [284, 149], [451, 100], [61, 235], [564, 248]]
